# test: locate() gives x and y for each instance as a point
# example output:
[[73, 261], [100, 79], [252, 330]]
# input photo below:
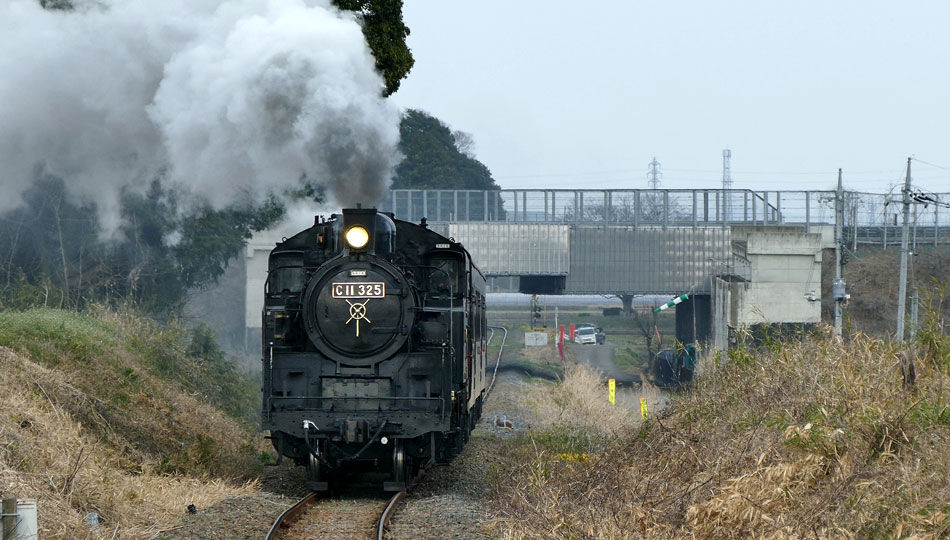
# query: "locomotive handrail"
[[429, 308], [306, 399]]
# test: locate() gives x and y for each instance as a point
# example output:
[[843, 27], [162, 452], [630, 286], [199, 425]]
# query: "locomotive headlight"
[[356, 237]]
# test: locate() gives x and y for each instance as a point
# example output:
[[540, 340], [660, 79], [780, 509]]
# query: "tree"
[[61, 5], [433, 160], [49, 243], [52, 252], [383, 29], [623, 209], [464, 142], [386, 35]]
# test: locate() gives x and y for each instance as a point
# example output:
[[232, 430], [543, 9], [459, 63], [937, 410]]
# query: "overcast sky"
[[575, 94]]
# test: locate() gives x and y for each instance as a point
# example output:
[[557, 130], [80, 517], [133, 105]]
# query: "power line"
[[717, 172], [574, 174], [931, 164]]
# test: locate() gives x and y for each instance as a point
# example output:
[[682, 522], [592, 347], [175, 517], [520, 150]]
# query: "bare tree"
[[464, 142], [653, 207]]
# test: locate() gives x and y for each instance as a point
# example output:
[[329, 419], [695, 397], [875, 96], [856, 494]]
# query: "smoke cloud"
[[228, 100]]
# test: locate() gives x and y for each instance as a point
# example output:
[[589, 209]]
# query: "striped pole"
[[671, 303]]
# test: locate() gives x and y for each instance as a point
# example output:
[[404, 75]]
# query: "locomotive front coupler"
[[354, 430], [374, 438]]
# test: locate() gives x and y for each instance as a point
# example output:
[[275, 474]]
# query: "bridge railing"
[[702, 207], [666, 207], [869, 218]]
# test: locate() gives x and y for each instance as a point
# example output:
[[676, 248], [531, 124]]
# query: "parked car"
[[585, 336], [599, 336]]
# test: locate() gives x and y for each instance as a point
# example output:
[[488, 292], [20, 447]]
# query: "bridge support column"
[[720, 314], [693, 319], [627, 300]]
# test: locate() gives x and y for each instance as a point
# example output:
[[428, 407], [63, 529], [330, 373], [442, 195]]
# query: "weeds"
[[73, 467], [90, 422], [805, 438]]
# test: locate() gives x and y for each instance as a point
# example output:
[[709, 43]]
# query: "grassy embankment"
[[109, 413], [872, 282], [818, 438]]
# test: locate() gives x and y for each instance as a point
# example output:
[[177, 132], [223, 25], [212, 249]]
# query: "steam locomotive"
[[374, 347]]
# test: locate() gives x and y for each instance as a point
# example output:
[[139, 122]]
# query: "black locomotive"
[[374, 347]]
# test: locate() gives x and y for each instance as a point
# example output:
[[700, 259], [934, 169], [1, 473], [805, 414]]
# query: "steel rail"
[[288, 516], [387, 513]]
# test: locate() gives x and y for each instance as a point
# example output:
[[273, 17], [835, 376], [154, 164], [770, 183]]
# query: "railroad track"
[[316, 517]]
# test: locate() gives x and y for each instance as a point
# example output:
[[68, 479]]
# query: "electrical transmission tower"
[[654, 174], [726, 184]]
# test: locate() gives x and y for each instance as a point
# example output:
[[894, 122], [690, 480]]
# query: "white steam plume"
[[226, 98]]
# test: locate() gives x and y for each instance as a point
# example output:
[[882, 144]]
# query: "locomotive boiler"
[[374, 347]]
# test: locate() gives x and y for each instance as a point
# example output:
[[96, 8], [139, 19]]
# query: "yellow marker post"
[[643, 408], [612, 392]]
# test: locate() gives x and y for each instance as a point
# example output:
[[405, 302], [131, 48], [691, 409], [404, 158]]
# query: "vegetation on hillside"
[[873, 285], [386, 35], [437, 158], [54, 254], [383, 29], [113, 415], [816, 438]]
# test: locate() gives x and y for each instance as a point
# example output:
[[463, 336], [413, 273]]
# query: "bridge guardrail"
[[869, 218]]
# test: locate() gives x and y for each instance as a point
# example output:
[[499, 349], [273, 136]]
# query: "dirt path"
[[601, 358]]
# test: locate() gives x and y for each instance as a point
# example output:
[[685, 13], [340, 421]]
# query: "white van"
[[586, 335]]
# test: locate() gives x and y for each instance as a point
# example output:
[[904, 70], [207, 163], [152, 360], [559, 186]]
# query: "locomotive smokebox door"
[[358, 312]]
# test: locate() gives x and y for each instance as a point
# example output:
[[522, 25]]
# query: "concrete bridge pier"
[[694, 319], [627, 301]]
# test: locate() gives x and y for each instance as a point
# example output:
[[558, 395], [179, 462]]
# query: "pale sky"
[[573, 94]]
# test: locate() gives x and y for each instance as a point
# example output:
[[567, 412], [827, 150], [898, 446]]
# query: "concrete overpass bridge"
[[746, 257]]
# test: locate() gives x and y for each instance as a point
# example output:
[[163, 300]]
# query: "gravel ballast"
[[448, 502]]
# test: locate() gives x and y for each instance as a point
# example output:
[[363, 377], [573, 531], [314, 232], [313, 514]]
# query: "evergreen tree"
[[433, 160], [386, 35]]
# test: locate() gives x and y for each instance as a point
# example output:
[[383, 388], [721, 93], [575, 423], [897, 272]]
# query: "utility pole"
[[905, 232], [838, 286]]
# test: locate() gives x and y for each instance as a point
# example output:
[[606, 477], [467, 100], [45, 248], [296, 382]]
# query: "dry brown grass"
[[88, 366], [578, 400], [812, 439], [88, 424], [71, 470], [873, 285]]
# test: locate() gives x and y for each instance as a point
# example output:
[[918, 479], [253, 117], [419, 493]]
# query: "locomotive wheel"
[[401, 468]]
